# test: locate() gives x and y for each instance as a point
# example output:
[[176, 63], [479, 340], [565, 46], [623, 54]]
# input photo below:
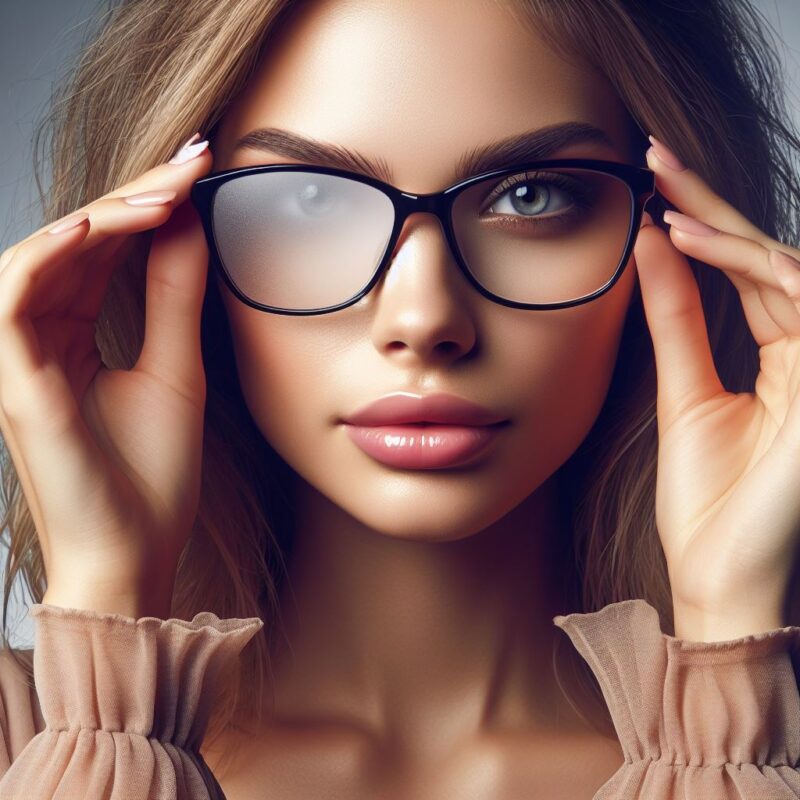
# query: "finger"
[[176, 176], [107, 257], [749, 261], [38, 408], [34, 284], [686, 190], [177, 269], [88, 299], [82, 287], [20, 355], [787, 270], [673, 308]]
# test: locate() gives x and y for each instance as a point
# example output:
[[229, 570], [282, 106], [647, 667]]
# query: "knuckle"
[[793, 295], [7, 305], [23, 259], [25, 403], [6, 256], [13, 404]]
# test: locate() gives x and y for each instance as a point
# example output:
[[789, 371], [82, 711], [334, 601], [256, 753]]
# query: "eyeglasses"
[[298, 239]]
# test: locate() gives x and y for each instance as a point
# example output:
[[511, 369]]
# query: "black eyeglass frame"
[[639, 180]]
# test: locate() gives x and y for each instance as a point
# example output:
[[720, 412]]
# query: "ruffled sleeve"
[[123, 706], [696, 720]]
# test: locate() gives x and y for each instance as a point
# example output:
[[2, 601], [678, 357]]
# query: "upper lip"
[[403, 407]]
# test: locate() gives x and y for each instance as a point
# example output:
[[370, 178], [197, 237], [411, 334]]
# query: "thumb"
[[686, 373], [177, 269]]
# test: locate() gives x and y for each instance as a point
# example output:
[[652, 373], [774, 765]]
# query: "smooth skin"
[[115, 508], [727, 507], [419, 605], [421, 602]]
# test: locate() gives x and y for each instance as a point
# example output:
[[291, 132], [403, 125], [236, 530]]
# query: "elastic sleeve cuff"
[[686, 712], [126, 703]]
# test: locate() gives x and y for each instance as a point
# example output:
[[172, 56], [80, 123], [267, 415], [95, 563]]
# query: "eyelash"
[[579, 193]]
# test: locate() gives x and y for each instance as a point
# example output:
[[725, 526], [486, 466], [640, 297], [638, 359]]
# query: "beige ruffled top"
[[121, 706]]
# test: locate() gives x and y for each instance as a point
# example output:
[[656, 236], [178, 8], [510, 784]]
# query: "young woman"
[[447, 382]]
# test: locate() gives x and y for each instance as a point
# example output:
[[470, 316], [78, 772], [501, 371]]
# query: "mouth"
[[407, 408], [423, 444]]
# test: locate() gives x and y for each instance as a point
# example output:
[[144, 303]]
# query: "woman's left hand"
[[728, 483]]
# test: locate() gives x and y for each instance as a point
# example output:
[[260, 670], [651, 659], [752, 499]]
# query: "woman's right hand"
[[109, 460]]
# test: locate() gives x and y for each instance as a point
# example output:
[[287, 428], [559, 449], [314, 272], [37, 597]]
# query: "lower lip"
[[430, 446]]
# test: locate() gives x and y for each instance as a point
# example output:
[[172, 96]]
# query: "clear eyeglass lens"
[[308, 241], [545, 236]]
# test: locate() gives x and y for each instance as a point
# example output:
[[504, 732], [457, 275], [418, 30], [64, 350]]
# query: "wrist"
[[128, 606], [130, 600], [703, 625]]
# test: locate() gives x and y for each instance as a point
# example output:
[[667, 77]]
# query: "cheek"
[[561, 369], [280, 362], [549, 371]]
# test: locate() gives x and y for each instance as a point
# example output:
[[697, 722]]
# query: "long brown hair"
[[703, 77]]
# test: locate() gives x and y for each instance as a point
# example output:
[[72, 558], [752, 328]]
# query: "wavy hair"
[[703, 77]]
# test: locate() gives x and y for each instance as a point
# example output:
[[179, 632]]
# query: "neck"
[[453, 638]]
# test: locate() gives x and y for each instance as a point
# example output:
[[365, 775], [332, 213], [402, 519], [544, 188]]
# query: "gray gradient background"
[[38, 39]]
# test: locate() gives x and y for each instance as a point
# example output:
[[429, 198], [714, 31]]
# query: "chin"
[[433, 514]]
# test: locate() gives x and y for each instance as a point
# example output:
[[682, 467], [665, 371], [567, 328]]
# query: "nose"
[[423, 303]]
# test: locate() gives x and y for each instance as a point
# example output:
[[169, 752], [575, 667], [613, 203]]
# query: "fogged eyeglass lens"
[[300, 240], [544, 236]]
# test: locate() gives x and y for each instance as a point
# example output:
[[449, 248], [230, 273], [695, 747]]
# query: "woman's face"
[[416, 86]]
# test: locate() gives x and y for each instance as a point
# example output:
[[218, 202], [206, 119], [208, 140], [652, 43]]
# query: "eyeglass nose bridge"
[[436, 203]]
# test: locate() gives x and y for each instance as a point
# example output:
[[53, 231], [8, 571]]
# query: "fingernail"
[[666, 155], [151, 198], [191, 141], [188, 152], [688, 224], [69, 222]]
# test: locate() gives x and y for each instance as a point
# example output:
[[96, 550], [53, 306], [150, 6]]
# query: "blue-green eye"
[[538, 198]]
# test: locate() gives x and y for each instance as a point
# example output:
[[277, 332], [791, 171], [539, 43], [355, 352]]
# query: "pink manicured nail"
[[69, 222], [666, 155], [191, 141], [688, 224], [151, 198], [187, 143], [187, 153]]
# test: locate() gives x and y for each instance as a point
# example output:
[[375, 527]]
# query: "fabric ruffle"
[[126, 703], [696, 720]]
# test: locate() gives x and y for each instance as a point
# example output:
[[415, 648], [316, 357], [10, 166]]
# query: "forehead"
[[415, 84]]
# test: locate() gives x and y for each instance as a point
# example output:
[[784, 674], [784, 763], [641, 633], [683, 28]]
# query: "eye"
[[316, 200], [533, 198]]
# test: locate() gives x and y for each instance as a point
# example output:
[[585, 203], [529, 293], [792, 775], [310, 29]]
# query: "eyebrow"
[[527, 146]]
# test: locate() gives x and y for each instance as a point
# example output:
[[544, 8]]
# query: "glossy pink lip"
[[423, 446], [402, 407], [432, 432]]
